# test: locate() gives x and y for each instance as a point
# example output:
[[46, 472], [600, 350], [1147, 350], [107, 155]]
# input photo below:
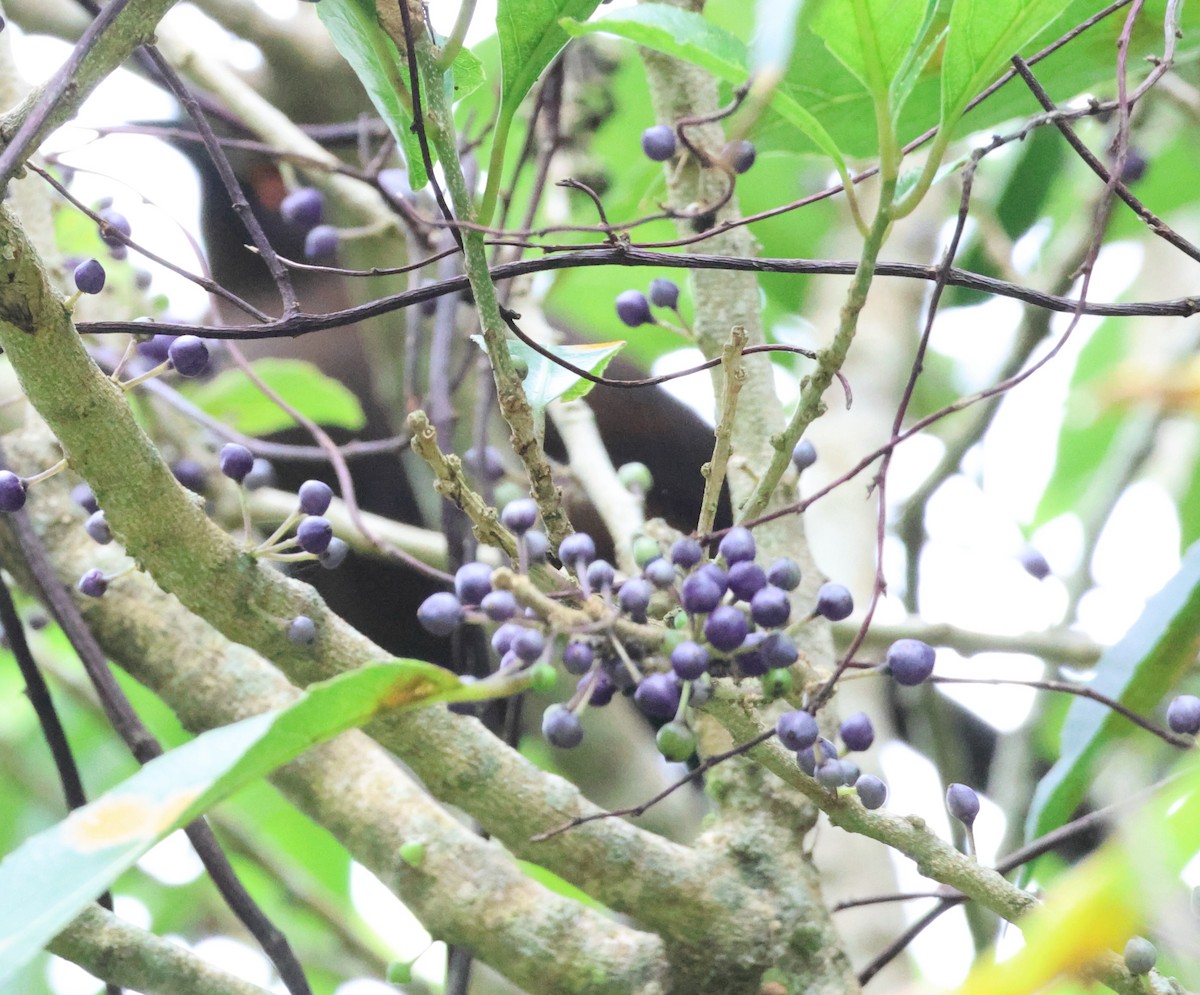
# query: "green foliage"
[[547, 381], [54, 874], [236, 400]]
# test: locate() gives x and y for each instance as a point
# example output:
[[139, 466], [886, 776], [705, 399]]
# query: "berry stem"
[[130, 349], [45, 474], [685, 695], [274, 539], [150, 374]]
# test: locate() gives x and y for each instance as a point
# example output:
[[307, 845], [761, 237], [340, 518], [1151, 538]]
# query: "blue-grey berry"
[[12, 491], [97, 527], [658, 142], [578, 657], [686, 553], [518, 516], [335, 554], [784, 573], [804, 455], [304, 207], [499, 606], [689, 660], [737, 545], [600, 575], [473, 583], [910, 661], [834, 602], [725, 628], [577, 550], [561, 727], [664, 293], [320, 243], [660, 572], [89, 276], [1183, 714], [770, 607], [658, 696], [746, 579], [857, 732], [315, 497], [797, 730], [872, 792], [314, 533], [302, 630], [634, 597], [963, 803], [633, 308], [235, 461], [189, 355], [93, 584], [1140, 955], [441, 613]]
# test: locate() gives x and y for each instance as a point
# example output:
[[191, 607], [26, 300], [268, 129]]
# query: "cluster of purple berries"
[[633, 307], [660, 143], [728, 614], [304, 208]]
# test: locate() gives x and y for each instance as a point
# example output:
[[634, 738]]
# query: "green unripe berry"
[[544, 677], [645, 549], [676, 741], [507, 492], [412, 853], [635, 477], [777, 682], [520, 367], [1140, 955]]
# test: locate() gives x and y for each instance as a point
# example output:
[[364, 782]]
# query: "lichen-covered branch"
[[117, 952]]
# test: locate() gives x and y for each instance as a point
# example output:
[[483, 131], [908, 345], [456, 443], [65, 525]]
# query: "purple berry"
[[1183, 714], [829, 774], [235, 461], [191, 474], [561, 727], [807, 761], [577, 550], [699, 594], [12, 491], [740, 155], [633, 308], [1134, 168], [155, 348], [577, 657], [658, 142], [1140, 955], [490, 468], [441, 613], [725, 628], [600, 575], [303, 208], [499, 606], [716, 575], [262, 474], [910, 661], [502, 638], [335, 554], [797, 730], [779, 651], [850, 772], [664, 293], [857, 732], [302, 631], [93, 584], [529, 644], [872, 792], [737, 545], [81, 494], [518, 516], [826, 750], [537, 546], [320, 243], [749, 657], [834, 602], [313, 534], [315, 497], [473, 583], [784, 573], [804, 455], [689, 660], [658, 696], [114, 221], [1034, 563], [189, 355], [634, 596], [603, 688], [89, 276], [963, 803], [746, 579], [770, 607], [97, 527], [660, 572], [686, 553]]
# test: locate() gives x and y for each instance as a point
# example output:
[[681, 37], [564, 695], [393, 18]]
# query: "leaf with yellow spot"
[[52, 876]]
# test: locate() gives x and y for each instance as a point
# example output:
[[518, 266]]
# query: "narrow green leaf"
[[983, 36], [356, 34], [53, 875], [233, 398], [1138, 671], [688, 36], [530, 37], [879, 51], [548, 381]]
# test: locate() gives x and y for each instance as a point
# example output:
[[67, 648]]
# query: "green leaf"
[[236, 400], [1138, 671], [688, 36], [356, 34], [877, 40], [983, 36], [55, 874], [530, 37], [548, 381]]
